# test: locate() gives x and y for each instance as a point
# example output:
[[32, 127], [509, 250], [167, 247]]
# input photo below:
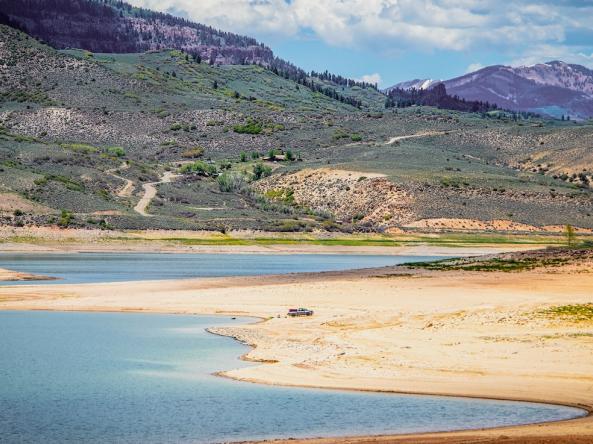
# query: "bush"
[[356, 137], [199, 167], [284, 195], [260, 170], [18, 213], [340, 134], [65, 218], [116, 151], [243, 156], [193, 153], [251, 127], [231, 181], [289, 155]]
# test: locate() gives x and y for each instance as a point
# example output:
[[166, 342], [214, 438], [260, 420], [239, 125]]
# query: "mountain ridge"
[[554, 88], [113, 26]]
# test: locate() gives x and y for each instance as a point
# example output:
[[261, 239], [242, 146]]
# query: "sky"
[[388, 41]]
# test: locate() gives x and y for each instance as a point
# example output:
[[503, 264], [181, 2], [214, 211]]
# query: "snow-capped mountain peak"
[[561, 74], [422, 84]]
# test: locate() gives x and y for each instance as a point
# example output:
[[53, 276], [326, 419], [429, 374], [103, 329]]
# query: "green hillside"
[[82, 134]]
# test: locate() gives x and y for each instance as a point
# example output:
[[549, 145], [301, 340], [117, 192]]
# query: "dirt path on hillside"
[[128, 188], [150, 193], [413, 136]]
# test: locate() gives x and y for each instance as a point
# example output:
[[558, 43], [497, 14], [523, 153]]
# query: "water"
[[114, 267], [140, 378]]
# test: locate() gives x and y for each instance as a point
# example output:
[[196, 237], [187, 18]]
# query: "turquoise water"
[[113, 267], [143, 378]]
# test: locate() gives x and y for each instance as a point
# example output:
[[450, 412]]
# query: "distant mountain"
[[419, 84], [557, 73], [554, 88]]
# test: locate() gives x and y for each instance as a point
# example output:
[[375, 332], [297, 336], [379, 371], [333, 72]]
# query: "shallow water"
[[117, 267], [131, 378]]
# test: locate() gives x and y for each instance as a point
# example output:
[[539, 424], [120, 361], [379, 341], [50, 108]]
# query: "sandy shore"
[[9, 276], [453, 333], [58, 240]]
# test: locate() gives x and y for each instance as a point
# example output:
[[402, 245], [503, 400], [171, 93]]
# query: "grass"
[[495, 264], [449, 240], [572, 312]]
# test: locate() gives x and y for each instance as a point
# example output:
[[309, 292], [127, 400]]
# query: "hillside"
[[112, 26], [86, 138]]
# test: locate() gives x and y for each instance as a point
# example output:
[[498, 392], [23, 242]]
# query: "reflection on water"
[[139, 378]]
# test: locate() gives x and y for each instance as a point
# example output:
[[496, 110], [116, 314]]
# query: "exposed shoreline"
[[389, 330], [15, 276]]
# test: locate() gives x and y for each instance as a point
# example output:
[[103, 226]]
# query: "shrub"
[[250, 127], [356, 137], [260, 170], [193, 153], [243, 156], [66, 181], [116, 151], [231, 181], [289, 155], [255, 155], [65, 218], [225, 164], [285, 195], [18, 213], [199, 167], [292, 225], [340, 134]]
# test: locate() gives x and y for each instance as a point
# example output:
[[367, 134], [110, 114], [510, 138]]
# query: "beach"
[[459, 333]]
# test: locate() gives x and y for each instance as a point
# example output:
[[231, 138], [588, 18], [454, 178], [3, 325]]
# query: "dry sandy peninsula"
[[439, 332]]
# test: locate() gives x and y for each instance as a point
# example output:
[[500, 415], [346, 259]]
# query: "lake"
[[118, 267], [146, 378], [131, 378]]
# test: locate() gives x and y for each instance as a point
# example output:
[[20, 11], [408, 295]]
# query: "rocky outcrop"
[[365, 199]]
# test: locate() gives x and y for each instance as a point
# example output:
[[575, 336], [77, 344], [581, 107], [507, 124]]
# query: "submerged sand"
[[454, 333], [10, 275]]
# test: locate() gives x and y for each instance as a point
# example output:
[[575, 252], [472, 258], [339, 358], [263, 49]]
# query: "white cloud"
[[389, 25], [474, 67], [370, 78], [546, 53]]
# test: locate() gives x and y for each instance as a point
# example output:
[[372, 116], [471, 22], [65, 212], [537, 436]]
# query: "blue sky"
[[395, 40]]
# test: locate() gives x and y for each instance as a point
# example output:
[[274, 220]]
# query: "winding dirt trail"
[[150, 192], [128, 188]]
